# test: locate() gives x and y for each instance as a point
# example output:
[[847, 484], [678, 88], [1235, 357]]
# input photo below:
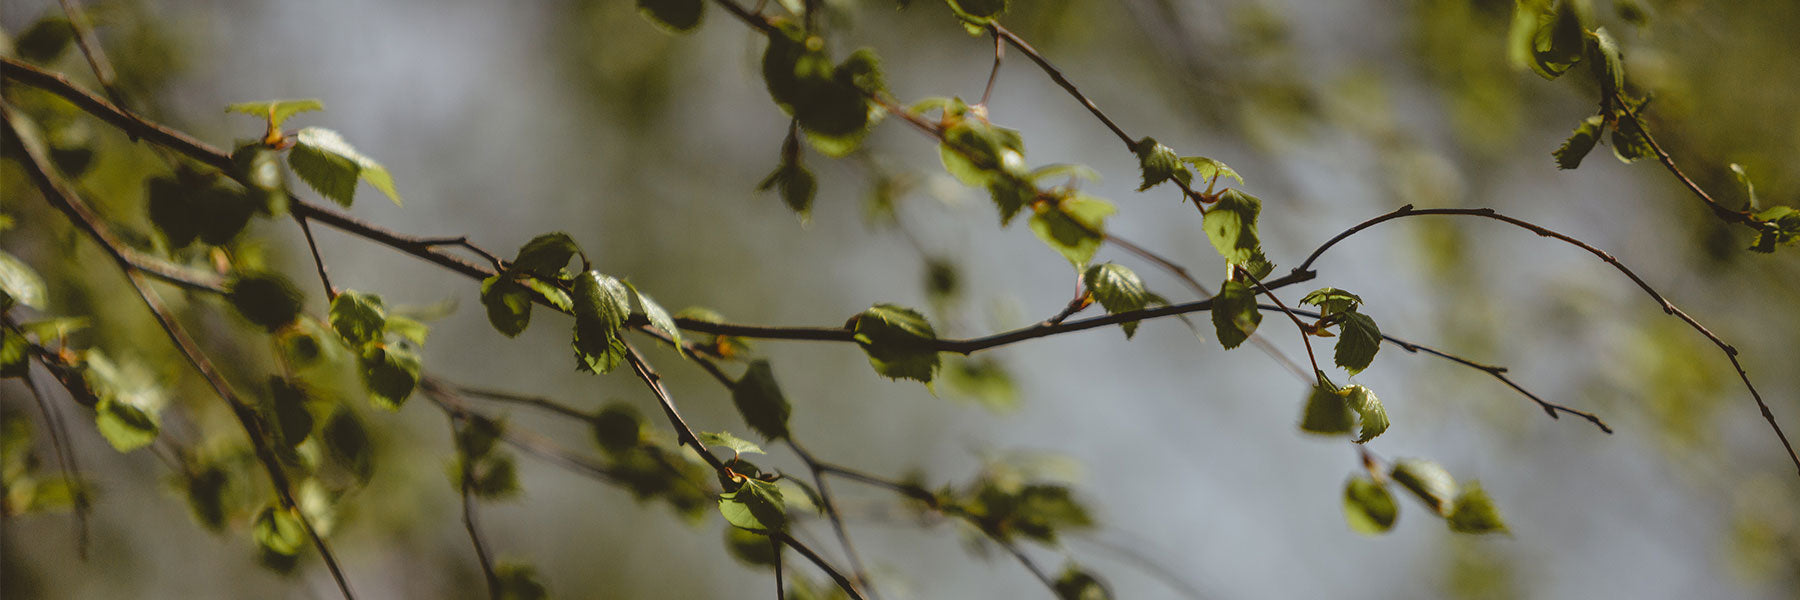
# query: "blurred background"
[[506, 120]]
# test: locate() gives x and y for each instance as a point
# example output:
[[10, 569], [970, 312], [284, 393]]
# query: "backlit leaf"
[[125, 426], [1074, 225], [676, 15], [1629, 142], [331, 166], [755, 506], [1210, 170], [602, 304], [1231, 226], [276, 111], [759, 399], [1429, 482], [20, 283], [898, 340], [1369, 411], [1474, 512], [1158, 163], [659, 317], [1332, 300], [1234, 313], [1369, 507], [359, 317], [725, 439], [1326, 412]]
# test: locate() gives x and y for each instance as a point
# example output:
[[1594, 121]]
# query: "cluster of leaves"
[[27, 488], [601, 303], [1370, 508], [1551, 37], [1007, 505], [649, 467], [480, 468]]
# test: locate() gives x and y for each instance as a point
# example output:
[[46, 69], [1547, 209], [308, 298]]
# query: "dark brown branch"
[[1305, 331], [837, 521], [57, 193], [331, 293], [1668, 307], [1730, 216], [533, 401], [994, 75], [90, 49]]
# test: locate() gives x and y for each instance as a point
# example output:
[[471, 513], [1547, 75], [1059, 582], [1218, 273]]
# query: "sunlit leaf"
[[1231, 226], [20, 283], [276, 111], [1074, 225], [898, 340], [1429, 482], [125, 426], [1211, 170], [359, 317], [1371, 415], [1158, 163], [755, 506], [725, 439], [1118, 290], [1332, 301], [602, 304], [331, 166]]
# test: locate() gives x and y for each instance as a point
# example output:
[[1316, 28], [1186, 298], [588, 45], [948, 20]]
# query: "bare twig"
[[331, 293], [468, 509], [90, 49], [65, 462]]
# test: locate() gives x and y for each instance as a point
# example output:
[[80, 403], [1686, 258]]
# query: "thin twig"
[[90, 49], [331, 293], [1305, 331], [65, 462], [837, 521], [468, 510], [780, 585], [1730, 216], [1668, 307], [999, 54], [532, 401]]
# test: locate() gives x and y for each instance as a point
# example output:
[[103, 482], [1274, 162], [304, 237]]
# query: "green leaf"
[[1074, 225], [618, 428], [222, 210], [171, 209], [1474, 512], [276, 111], [1369, 507], [759, 399], [1580, 143], [265, 299], [1429, 482], [976, 152], [477, 435], [1358, 341], [1560, 38], [601, 306], [390, 372], [516, 581], [1231, 226], [278, 530], [1332, 301], [45, 41], [984, 380], [1781, 226], [979, 10], [1071, 171], [1326, 411], [677, 15], [1211, 170], [1369, 411], [1158, 163], [287, 406], [1629, 142], [659, 317], [259, 168], [796, 185], [1234, 313], [347, 442], [407, 328], [20, 283], [15, 351], [206, 496], [125, 426], [1751, 202], [1608, 69], [752, 549], [898, 340], [727, 440], [508, 305], [546, 255], [727, 346], [358, 317], [331, 166], [1077, 584], [1118, 290], [1010, 195], [492, 477], [754, 506]]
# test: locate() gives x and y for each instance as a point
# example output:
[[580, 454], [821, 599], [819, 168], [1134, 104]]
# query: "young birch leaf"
[[390, 372], [1076, 584], [601, 305], [676, 15], [1431, 483], [20, 283], [1560, 41], [1369, 411], [1326, 412], [508, 305], [359, 317], [45, 40], [658, 317], [260, 169], [279, 531], [171, 209], [985, 381], [1750, 199], [276, 111], [1158, 163], [1783, 224], [796, 185], [124, 425], [1074, 226], [1118, 290], [1231, 226], [1474, 512], [546, 255], [898, 341], [1210, 170], [1010, 195], [1234, 313], [347, 442], [516, 581], [1369, 507], [1609, 70], [1629, 142], [1332, 301], [265, 299], [755, 506], [1358, 341], [287, 404], [759, 399], [1580, 143], [618, 428], [331, 166], [726, 440]]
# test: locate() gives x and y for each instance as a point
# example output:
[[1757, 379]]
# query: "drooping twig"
[[468, 509], [90, 49], [1668, 307], [837, 521], [65, 462], [331, 293]]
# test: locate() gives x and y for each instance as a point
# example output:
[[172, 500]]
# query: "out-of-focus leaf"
[[276, 111], [679, 16], [1429, 482], [1369, 507], [265, 299], [20, 283], [1326, 412], [1579, 143], [1474, 512], [759, 399], [1074, 225]]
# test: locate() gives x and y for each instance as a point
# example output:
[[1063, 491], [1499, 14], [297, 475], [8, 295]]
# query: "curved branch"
[[1668, 307]]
